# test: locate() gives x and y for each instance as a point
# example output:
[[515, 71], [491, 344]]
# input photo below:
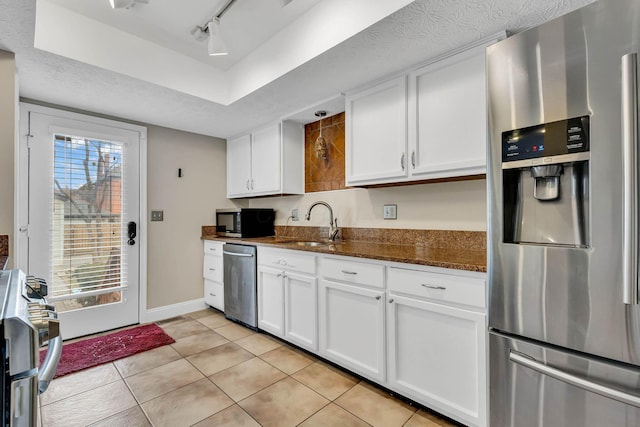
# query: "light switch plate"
[[390, 212], [294, 215], [157, 215]]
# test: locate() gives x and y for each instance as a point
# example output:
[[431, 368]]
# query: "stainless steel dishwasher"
[[240, 284]]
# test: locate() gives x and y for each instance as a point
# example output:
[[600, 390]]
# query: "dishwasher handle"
[[238, 254]]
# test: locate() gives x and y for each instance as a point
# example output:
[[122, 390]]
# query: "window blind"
[[87, 221]]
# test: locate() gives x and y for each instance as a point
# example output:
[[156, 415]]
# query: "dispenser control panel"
[[559, 138]]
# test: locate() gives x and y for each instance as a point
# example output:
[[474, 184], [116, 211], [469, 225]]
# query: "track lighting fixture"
[[216, 45]]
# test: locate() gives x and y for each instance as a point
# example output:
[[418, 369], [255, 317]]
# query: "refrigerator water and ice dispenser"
[[545, 171]]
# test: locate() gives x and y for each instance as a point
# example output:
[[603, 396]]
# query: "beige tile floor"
[[218, 373]]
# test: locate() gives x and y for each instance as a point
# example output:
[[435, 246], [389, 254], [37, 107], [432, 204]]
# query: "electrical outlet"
[[294, 215], [390, 212], [157, 215]]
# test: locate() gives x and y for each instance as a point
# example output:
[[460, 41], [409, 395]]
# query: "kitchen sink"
[[312, 243]]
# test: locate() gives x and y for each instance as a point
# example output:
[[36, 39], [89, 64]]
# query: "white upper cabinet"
[[267, 161], [433, 126], [239, 166], [376, 134], [448, 116]]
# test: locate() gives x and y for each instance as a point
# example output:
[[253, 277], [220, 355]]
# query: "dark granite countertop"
[[3, 262], [455, 258]]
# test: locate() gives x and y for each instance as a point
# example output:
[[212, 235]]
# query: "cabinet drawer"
[[214, 294], [212, 268], [436, 286], [361, 273], [213, 248], [287, 260]]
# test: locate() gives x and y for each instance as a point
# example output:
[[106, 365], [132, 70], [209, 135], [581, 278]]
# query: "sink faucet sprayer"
[[333, 222]]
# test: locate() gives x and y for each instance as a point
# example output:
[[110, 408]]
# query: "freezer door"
[[532, 385]]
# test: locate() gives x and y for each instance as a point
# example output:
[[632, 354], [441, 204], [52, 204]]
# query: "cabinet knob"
[[391, 301], [378, 297]]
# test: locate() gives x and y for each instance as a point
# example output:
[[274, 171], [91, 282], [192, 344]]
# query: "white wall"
[[439, 206], [8, 129], [174, 266]]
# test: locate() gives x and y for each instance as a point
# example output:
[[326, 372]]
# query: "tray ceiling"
[[138, 64]]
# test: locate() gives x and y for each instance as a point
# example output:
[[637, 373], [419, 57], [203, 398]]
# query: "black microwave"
[[245, 222]]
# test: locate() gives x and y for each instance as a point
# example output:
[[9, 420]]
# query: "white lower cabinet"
[[436, 357], [352, 328], [270, 300], [419, 331], [288, 295], [300, 310], [436, 350], [212, 272]]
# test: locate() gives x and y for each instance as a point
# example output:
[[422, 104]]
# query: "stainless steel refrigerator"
[[563, 221]]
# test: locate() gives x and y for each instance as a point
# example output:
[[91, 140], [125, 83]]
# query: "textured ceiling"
[[422, 30]]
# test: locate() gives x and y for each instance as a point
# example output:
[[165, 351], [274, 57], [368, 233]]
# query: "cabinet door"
[[352, 328], [449, 117], [266, 167], [239, 166], [214, 294], [301, 320], [376, 134], [436, 356], [270, 300]]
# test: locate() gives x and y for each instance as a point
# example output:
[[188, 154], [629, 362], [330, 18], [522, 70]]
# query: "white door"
[[301, 300], [449, 112], [351, 324], [239, 166], [83, 201], [436, 356], [376, 134], [265, 161], [271, 300]]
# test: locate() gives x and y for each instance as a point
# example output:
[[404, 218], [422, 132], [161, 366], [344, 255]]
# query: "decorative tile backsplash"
[[4, 245], [325, 174]]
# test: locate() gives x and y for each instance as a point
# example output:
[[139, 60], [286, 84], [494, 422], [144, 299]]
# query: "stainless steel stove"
[[27, 323]]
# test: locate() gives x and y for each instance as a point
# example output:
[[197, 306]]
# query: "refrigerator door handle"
[[611, 393], [630, 177]]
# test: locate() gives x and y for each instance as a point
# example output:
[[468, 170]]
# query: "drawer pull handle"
[[213, 249], [212, 269], [349, 272], [213, 295], [440, 288], [378, 297], [284, 262]]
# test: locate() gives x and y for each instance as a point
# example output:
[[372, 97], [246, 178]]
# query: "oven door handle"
[[50, 364], [574, 380]]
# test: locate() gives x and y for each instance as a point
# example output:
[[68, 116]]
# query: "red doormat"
[[107, 348]]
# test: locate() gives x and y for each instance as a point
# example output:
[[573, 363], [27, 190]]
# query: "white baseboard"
[[173, 310]]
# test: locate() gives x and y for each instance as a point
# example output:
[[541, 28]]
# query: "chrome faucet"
[[333, 222]]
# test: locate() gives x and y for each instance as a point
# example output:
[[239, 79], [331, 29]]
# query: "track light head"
[[216, 46]]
